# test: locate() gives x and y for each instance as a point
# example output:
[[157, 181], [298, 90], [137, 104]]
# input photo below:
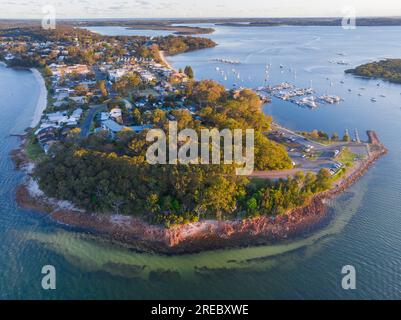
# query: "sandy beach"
[[42, 99], [164, 59]]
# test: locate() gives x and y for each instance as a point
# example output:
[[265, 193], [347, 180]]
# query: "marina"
[[304, 97]]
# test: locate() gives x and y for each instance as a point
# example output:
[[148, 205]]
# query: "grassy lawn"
[[339, 174], [347, 157], [33, 150]]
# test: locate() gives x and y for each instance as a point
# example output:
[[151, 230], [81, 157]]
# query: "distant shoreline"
[[184, 29], [180, 30]]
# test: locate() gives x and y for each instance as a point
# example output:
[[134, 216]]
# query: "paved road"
[[86, 124], [98, 74]]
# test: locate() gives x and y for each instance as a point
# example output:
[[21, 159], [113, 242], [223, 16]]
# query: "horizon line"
[[200, 18]]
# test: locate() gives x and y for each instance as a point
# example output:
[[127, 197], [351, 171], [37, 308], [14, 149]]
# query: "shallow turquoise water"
[[366, 232]]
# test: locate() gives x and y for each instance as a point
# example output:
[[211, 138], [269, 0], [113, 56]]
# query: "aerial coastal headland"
[[85, 160], [205, 234]]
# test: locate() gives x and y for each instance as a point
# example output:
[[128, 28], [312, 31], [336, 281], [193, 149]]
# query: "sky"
[[33, 9]]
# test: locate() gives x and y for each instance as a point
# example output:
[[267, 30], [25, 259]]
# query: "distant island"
[[179, 26], [331, 21], [389, 69], [148, 25]]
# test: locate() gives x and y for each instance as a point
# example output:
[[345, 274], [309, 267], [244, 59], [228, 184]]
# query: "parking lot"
[[308, 155]]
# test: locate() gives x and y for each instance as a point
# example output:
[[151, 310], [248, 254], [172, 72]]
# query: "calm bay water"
[[366, 231]]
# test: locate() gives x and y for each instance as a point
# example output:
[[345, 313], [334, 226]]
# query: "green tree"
[[314, 134], [102, 87], [252, 205], [189, 72], [47, 71], [137, 116], [323, 180], [208, 92]]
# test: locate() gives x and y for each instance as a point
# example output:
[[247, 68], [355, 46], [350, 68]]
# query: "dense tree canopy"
[[106, 182], [174, 45], [389, 69]]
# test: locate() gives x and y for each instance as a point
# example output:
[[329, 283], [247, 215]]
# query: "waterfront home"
[[46, 137], [58, 118]]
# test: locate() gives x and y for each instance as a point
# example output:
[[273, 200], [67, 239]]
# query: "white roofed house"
[[60, 118], [74, 118], [116, 74], [61, 95], [76, 115], [147, 76], [60, 103], [111, 126], [57, 118], [79, 99]]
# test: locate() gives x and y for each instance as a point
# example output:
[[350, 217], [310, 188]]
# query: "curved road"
[[86, 124]]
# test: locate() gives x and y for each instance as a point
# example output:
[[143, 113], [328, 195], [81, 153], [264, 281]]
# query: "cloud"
[[193, 8]]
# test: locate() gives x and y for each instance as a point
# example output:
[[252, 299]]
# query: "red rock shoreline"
[[200, 236]]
